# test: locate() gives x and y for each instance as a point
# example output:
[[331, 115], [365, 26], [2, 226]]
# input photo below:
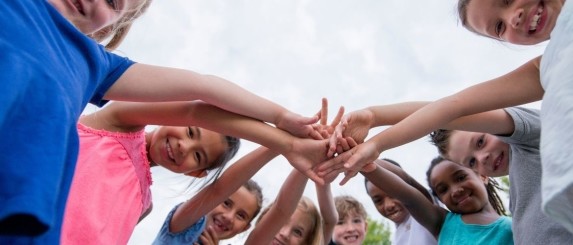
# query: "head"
[[387, 206], [234, 215], [102, 19], [461, 189], [192, 151], [351, 226], [523, 22], [484, 153], [304, 226]]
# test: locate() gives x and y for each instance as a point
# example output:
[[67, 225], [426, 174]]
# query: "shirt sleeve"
[[187, 236]]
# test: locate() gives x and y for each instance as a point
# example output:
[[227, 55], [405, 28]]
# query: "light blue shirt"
[[187, 236]]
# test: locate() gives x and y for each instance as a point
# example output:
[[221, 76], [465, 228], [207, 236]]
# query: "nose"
[[457, 191], [482, 158], [389, 204], [186, 145], [516, 19], [283, 233]]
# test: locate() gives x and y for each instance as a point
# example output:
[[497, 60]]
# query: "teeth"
[[170, 152], [535, 20]]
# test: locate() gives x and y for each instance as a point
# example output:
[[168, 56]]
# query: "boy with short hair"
[[352, 225]]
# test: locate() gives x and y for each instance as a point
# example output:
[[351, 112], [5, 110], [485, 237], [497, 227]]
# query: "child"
[[475, 215], [518, 22], [290, 219], [232, 214], [352, 225], [408, 231], [519, 128], [50, 71]]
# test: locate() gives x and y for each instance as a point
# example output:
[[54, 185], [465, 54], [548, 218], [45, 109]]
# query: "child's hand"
[[296, 124], [305, 154], [321, 129], [359, 158], [355, 124], [208, 237]]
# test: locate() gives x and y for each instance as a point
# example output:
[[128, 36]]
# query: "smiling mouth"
[[353, 238], [169, 151], [497, 162]]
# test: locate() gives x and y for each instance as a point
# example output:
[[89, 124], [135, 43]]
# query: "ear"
[[197, 174]]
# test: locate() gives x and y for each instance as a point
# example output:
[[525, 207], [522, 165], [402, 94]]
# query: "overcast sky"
[[356, 53]]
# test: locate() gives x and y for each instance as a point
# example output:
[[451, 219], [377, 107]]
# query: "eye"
[[340, 222], [357, 221], [441, 190], [242, 216], [198, 157], [190, 132], [472, 162], [227, 203], [480, 142], [111, 3], [499, 28], [461, 177], [297, 232]]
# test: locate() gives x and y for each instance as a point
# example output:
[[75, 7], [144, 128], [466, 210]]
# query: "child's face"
[[458, 187], [484, 153], [350, 230], [188, 150], [387, 206], [234, 215], [524, 22], [91, 16], [296, 230]]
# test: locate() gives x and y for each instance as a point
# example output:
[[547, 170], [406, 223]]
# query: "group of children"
[[91, 173]]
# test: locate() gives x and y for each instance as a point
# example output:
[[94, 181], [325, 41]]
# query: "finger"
[[314, 134], [344, 144], [347, 176], [324, 111], [338, 117], [332, 143], [351, 142], [314, 177], [325, 134]]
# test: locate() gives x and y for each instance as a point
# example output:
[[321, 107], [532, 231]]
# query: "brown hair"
[[346, 204], [441, 138], [255, 189]]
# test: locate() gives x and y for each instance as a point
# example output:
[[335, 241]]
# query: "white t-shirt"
[[411, 232]]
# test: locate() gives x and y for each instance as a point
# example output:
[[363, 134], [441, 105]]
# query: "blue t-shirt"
[[49, 71], [187, 236], [455, 231]]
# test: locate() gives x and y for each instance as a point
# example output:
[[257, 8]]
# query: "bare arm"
[[230, 181], [283, 207], [517, 87], [405, 177], [424, 211], [303, 153], [146, 83], [327, 211]]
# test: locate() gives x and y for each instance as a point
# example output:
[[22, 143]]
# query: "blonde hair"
[[305, 205], [117, 31]]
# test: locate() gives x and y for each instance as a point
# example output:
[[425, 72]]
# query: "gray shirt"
[[530, 224]]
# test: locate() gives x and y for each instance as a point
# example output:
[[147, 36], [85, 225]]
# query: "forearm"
[[148, 83], [327, 210], [383, 115], [280, 211]]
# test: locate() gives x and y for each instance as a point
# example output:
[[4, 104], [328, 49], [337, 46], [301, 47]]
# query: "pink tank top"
[[110, 188]]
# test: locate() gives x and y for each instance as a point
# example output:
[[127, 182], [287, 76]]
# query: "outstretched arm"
[[146, 83], [517, 87], [303, 153], [230, 181], [405, 177], [280, 211], [423, 210], [327, 211]]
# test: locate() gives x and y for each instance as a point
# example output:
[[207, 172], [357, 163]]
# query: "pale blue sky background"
[[356, 53]]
